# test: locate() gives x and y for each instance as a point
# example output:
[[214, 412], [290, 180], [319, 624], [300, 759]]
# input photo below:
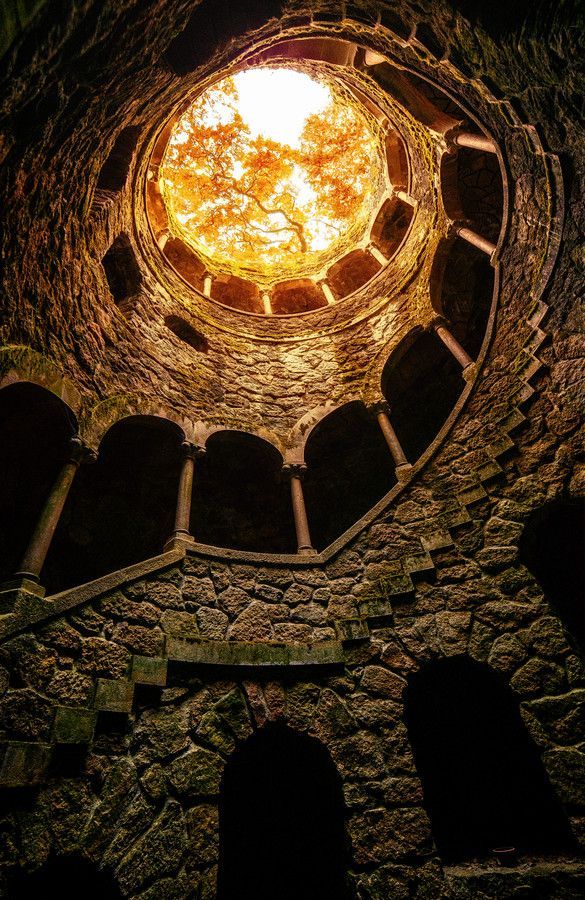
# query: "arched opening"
[[115, 169], [483, 781], [186, 333], [35, 427], [472, 190], [391, 225], [552, 548], [120, 509], [185, 261], [294, 296], [351, 272], [462, 284], [237, 292], [421, 381], [349, 468], [240, 499], [281, 821], [68, 878], [122, 273]]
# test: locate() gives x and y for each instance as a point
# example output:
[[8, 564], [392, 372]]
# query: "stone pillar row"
[[36, 552]]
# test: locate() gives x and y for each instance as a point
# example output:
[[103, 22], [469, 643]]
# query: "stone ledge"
[[557, 879], [265, 655], [33, 610]]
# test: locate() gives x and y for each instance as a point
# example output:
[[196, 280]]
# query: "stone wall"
[[162, 670]]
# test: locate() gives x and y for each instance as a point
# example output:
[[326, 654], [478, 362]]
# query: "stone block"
[[24, 764], [114, 696], [149, 670], [352, 630], [73, 725]]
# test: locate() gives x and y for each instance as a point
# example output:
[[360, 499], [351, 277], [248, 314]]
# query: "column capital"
[[79, 452], [294, 470], [378, 406], [192, 451], [437, 322]]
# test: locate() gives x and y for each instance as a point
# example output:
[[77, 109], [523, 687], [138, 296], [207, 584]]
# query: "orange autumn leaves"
[[261, 207]]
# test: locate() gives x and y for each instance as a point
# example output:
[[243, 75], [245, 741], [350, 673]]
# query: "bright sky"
[[277, 102]]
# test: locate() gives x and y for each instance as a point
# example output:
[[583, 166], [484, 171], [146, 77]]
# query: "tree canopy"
[[263, 206]]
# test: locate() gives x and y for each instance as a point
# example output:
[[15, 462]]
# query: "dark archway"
[[349, 468], [483, 780], [35, 428], [120, 509], [282, 821], [422, 381], [462, 285], [240, 499], [66, 877], [552, 548]]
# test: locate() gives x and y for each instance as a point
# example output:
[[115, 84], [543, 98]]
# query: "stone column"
[[382, 413], [266, 303], [406, 198], [476, 240], [181, 530], [377, 254], [439, 326], [474, 142], [295, 472], [162, 239], [207, 282], [38, 547], [327, 293]]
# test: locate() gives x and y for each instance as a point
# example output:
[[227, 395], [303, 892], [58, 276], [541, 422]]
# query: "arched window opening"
[[122, 273], [463, 282], [282, 821], [472, 190], [391, 225], [120, 509], [349, 468], [237, 292], [68, 878], [351, 272], [115, 170], [186, 333], [35, 428], [240, 499], [481, 190], [185, 261], [421, 382], [296, 296], [483, 781], [552, 548]]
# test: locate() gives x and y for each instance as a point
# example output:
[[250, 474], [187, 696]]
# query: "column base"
[[403, 472], [179, 541], [469, 372], [307, 551], [19, 588]]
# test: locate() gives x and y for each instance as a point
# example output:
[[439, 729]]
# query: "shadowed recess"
[[483, 781], [349, 468], [281, 821], [421, 381], [240, 499], [69, 878], [35, 427], [120, 509], [552, 548]]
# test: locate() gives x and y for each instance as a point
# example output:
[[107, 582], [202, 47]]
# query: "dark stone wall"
[[122, 701]]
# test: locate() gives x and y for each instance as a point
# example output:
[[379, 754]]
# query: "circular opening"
[[273, 173]]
